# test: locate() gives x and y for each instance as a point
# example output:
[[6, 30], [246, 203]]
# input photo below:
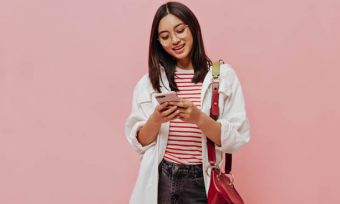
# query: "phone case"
[[167, 97]]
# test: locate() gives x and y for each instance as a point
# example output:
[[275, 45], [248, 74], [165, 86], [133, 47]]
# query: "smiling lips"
[[178, 49]]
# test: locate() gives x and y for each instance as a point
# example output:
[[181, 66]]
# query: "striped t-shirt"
[[185, 139]]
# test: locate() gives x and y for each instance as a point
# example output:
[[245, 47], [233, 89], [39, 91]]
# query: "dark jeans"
[[180, 183]]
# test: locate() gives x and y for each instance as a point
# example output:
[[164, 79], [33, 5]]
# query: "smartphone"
[[166, 97]]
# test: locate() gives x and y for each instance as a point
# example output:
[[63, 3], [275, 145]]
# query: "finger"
[[179, 104], [162, 106], [183, 115], [169, 111], [184, 103], [173, 115], [181, 118], [187, 103], [184, 110], [173, 103], [181, 109]]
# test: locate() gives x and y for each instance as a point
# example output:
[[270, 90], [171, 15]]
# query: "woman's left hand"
[[188, 111]]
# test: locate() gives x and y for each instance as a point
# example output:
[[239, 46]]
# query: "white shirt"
[[235, 129]]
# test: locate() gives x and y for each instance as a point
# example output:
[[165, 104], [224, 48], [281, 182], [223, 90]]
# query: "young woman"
[[171, 137]]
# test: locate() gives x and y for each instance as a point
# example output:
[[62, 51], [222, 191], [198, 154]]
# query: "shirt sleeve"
[[235, 128], [134, 122]]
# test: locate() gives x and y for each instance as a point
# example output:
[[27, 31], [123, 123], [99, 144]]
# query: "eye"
[[164, 37], [180, 31], [180, 28]]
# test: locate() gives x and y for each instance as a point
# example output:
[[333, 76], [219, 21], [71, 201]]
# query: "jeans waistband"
[[193, 168]]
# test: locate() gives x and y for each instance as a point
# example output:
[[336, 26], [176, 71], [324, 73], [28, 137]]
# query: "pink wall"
[[68, 67]]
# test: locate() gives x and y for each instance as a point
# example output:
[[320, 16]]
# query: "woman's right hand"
[[164, 114]]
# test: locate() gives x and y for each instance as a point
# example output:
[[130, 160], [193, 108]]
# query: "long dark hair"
[[158, 56]]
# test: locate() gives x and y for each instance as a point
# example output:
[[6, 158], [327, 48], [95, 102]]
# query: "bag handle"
[[214, 113]]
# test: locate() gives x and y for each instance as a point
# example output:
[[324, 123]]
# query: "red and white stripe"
[[185, 139]]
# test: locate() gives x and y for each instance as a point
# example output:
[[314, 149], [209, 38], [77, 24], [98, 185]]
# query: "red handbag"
[[221, 189]]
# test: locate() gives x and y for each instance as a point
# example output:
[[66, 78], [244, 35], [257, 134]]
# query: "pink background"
[[68, 68]]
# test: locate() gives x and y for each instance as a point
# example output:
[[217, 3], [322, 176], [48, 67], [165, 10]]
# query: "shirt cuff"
[[134, 141]]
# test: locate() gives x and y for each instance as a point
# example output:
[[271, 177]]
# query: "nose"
[[174, 38]]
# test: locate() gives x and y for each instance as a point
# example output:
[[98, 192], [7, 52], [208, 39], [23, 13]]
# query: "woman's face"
[[175, 37]]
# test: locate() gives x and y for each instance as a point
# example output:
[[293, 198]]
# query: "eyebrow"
[[163, 31]]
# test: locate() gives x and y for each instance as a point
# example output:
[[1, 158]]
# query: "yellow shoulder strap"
[[216, 69]]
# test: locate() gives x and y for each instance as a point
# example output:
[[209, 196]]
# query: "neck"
[[184, 64]]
